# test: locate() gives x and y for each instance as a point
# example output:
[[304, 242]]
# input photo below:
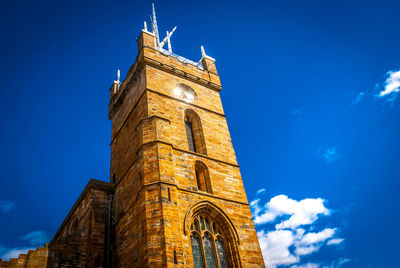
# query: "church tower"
[[179, 198]]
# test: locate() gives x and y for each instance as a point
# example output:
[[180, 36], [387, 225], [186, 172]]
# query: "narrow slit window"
[[169, 194], [175, 258]]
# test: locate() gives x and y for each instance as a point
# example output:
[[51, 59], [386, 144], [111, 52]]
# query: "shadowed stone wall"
[[82, 239]]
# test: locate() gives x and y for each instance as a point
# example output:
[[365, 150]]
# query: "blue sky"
[[309, 90]]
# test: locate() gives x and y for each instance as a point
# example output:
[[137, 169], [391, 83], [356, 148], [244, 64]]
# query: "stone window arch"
[[194, 133], [213, 238], [202, 177]]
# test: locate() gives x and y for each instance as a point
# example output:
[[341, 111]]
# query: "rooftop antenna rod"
[[167, 38], [154, 25], [117, 81], [203, 52], [169, 43]]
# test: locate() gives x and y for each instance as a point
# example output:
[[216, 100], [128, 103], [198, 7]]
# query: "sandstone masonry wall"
[[34, 258], [156, 188]]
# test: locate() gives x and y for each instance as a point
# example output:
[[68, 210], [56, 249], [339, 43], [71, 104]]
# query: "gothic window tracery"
[[208, 243]]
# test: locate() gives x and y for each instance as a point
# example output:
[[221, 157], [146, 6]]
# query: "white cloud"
[[334, 264], [312, 238], [387, 91], [292, 237], [329, 154], [306, 265], [342, 261], [306, 250], [36, 238], [337, 263], [335, 241], [6, 206], [275, 247], [311, 242], [260, 191], [392, 84], [302, 212]]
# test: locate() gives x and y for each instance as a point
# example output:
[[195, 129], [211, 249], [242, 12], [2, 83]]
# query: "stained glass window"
[[196, 252], [209, 251], [208, 248], [201, 223], [221, 253], [207, 225], [196, 225]]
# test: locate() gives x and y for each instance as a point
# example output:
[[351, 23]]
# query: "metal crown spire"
[[154, 25], [159, 44]]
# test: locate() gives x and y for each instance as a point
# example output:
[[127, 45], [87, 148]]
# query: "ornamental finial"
[[203, 52]]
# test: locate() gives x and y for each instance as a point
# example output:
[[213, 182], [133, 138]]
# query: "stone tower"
[[179, 199], [176, 197]]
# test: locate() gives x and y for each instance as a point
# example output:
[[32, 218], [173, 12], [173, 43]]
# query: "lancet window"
[[194, 133], [208, 244], [202, 177], [190, 135]]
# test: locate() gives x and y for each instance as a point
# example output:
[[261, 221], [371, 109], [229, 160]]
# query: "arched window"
[[194, 133], [207, 241], [202, 177], [213, 237]]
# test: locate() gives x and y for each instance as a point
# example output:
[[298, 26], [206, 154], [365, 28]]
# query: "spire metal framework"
[[167, 40], [154, 29], [160, 46]]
